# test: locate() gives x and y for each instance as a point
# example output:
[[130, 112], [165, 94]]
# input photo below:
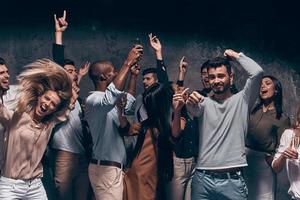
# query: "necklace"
[[36, 124]]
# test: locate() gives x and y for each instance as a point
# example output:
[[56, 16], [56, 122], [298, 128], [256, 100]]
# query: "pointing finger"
[[184, 91]]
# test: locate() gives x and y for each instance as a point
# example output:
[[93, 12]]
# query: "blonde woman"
[[288, 155], [45, 99]]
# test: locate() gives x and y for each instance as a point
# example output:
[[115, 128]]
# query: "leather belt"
[[222, 175], [106, 163]]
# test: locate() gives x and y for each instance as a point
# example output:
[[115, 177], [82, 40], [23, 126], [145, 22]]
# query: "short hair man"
[[4, 86], [69, 143], [223, 121], [4, 77], [151, 76], [109, 153]]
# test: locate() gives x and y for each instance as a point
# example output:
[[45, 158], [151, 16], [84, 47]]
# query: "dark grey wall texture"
[[265, 31]]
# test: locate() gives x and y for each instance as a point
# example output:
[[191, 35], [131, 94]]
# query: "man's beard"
[[221, 91]]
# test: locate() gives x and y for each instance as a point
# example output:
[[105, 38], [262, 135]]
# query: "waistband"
[[222, 175], [19, 181], [106, 163]]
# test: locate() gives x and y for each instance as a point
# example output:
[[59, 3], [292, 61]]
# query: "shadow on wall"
[[20, 46]]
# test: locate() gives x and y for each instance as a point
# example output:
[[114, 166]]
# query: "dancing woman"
[[267, 123], [46, 97]]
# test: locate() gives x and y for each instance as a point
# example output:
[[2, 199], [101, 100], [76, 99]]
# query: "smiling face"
[[71, 70], [4, 78], [47, 104], [219, 79], [204, 78], [267, 89]]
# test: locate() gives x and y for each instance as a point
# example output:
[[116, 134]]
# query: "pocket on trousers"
[[39, 184], [6, 187], [241, 186], [110, 177]]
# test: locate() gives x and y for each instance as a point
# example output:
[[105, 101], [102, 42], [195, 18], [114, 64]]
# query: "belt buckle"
[[234, 175]]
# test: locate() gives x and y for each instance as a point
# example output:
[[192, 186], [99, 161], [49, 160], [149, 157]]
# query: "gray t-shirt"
[[68, 135], [223, 125]]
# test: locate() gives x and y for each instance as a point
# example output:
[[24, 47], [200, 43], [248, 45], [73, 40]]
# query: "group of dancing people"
[[168, 142]]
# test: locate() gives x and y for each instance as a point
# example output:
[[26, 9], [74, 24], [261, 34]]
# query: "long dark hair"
[[157, 100], [277, 98]]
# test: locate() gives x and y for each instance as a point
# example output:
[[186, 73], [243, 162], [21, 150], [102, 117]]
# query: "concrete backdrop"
[[106, 30]]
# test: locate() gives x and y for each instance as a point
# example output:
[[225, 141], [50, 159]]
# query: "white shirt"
[[292, 165]]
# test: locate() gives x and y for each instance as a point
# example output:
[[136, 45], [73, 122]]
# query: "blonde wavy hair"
[[39, 77]]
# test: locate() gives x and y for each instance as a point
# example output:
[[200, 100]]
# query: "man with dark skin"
[[105, 168]]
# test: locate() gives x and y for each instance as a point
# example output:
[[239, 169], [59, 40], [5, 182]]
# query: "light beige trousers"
[[106, 181]]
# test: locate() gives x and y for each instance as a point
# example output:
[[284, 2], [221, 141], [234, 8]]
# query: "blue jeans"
[[208, 187]]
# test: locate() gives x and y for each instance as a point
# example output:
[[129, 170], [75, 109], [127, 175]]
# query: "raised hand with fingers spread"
[[84, 69]]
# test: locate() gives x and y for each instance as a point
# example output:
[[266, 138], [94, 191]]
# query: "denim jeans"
[[208, 187], [19, 189]]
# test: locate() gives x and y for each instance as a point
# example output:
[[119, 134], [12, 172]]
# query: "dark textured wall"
[[195, 30], [21, 45]]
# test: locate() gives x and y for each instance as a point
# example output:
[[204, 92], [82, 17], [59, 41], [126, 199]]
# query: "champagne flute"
[[295, 143]]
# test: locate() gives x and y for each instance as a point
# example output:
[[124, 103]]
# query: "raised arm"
[[58, 49], [255, 73], [84, 69], [131, 61], [134, 72], [182, 71], [162, 75], [178, 122]]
